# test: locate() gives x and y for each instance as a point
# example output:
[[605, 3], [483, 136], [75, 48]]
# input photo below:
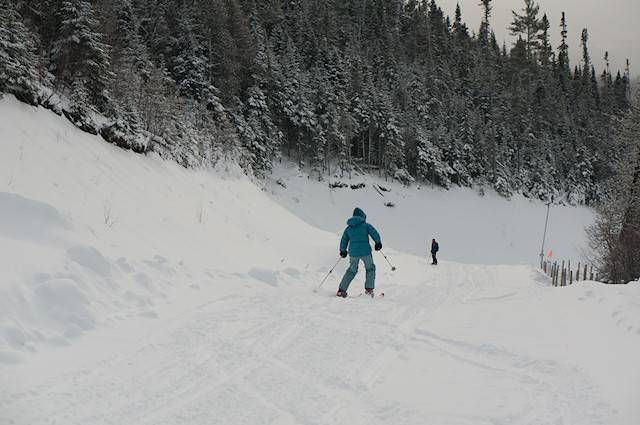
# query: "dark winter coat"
[[356, 235], [434, 247]]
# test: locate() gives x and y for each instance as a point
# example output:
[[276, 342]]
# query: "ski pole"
[[334, 266], [393, 269]]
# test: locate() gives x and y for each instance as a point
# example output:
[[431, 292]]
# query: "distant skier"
[[356, 237], [434, 250]]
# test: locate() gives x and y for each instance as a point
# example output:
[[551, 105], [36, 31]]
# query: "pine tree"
[[545, 50], [18, 62], [606, 88], [257, 128], [586, 59], [528, 25], [189, 65], [79, 61], [620, 93], [130, 66], [483, 34], [231, 52], [563, 69]]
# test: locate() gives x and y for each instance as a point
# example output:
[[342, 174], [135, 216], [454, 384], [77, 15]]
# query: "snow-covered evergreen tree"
[[18, 62], [77, 53], [80, 61]]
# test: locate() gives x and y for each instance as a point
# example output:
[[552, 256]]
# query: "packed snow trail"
[[293, 357]]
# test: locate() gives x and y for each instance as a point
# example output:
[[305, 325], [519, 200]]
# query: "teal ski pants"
[[353, 269]]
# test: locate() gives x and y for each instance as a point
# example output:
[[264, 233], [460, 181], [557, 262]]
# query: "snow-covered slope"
[[133, 291], [471, 226]]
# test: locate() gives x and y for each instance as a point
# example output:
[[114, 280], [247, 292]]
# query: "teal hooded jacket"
[[356, 235]]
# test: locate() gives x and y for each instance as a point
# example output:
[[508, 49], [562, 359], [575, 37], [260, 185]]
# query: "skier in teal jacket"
[[356, 238]]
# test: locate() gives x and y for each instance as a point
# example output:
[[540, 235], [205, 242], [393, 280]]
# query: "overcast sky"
[[613, 26]]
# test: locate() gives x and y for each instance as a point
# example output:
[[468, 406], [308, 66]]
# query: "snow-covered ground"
[[134, 291]]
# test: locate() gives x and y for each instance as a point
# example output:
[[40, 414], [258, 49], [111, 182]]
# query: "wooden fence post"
[[563, 276]]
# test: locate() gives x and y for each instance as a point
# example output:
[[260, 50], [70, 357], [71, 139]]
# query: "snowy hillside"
[[134, 291], [471, 226]]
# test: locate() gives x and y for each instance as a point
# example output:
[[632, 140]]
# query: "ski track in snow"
[[267, 363], [544, 381]]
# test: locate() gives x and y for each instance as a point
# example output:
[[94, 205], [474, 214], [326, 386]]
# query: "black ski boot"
[[369, 291]]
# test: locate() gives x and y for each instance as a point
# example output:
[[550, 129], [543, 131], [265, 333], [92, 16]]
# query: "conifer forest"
[[395, 87]]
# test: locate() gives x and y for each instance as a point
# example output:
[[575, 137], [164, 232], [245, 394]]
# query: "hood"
[[359, 213], [359, 217]]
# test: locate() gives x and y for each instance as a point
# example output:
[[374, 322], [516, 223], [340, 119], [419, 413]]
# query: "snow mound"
[[90, 258], [30, 220], [264, 275]]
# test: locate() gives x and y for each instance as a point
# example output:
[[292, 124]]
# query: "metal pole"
[[393, 269], [544, 235], [334, 266]]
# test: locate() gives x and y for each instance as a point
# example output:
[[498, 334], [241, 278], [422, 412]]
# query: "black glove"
[[343, 254], [378, 246]]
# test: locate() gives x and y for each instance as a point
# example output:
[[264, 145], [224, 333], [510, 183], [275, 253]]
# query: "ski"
[[380, 295]]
